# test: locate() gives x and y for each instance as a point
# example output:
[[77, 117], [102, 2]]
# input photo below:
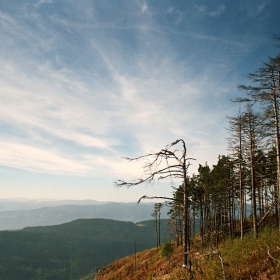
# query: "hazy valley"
[[17, 214]]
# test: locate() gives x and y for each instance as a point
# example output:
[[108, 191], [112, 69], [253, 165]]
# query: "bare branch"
[[161, 166], [151, 177], [157, 197], [271, 258], [222, 264]]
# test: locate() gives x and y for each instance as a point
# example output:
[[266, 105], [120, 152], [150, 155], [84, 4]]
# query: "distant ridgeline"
[[30, 213], [72, 250]]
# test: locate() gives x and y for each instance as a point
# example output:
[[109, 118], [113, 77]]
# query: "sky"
[[85, 83]]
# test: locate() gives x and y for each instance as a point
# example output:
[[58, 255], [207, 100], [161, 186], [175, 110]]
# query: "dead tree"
[[167, 164], [266, 91]]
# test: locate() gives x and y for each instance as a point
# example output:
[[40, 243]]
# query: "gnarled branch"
[[157, 197]]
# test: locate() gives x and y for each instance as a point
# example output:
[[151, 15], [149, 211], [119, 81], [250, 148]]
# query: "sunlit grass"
[[243, 259], [235, 259]]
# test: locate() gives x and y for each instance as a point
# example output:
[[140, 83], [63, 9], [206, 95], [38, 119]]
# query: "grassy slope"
[[237, 259]]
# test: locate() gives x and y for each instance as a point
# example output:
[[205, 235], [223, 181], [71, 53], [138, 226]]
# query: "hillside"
[[245, 259], [71, 250], [32, 213]]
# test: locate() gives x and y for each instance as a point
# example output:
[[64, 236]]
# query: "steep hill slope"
[[71, 250], [236, 259]]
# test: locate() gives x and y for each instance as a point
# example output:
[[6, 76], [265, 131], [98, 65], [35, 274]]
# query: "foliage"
[[167, 249], [71, 250]]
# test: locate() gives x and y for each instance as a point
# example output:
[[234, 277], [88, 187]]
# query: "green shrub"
[[166, 250]]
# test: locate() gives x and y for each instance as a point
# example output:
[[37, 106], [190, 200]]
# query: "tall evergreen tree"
[[156, 214], [236, 149], [222, 176], [176, 214]]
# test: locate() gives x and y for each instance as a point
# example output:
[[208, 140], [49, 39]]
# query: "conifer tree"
[[156, 214], [176, 214], [236, 149]]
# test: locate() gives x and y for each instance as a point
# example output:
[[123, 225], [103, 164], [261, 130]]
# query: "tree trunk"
[[277, 142], [186, 243], [252, 173]]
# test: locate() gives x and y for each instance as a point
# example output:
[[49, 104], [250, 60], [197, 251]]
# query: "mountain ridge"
[[72, 250], [55, 215]]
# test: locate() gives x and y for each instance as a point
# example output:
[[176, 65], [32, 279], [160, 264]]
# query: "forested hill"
[[74, 249], [21, 214]]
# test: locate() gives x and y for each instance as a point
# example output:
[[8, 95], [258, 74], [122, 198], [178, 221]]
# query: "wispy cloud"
[[30, 158], [200, 8], [83, 87], [41, 2], [214, 13], [221, 9], [152, 103], [257, 9], [144, 7]]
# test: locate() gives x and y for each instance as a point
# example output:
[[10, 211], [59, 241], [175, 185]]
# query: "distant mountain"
[[55, 215], [72, 250], [27, 204]]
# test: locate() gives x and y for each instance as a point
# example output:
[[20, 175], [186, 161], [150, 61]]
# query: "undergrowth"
[[235, 259]]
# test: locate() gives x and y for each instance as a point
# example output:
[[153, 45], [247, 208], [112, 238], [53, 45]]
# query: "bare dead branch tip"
[[153, 197]]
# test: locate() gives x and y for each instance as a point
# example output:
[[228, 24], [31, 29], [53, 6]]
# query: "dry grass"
[[236, 260]]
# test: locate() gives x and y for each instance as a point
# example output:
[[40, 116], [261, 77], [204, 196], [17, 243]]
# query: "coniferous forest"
[[250, 171], [72, 250]]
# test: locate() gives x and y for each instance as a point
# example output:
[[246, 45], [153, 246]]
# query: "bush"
[[166, 250]]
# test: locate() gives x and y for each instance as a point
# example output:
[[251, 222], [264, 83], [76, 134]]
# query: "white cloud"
[[200, 8], [144, 7], [221, 9], [41, 2], [256, 9], [261, 7], [77, 95], [54, 102], [203, 9], [31, 158]]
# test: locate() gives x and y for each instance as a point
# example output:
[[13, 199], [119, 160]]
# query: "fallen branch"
[[267, 212], [222, 264], [210, 254], [270, 257]]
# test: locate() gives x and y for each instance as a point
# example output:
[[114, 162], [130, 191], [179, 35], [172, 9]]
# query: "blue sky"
[[86, 83]]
